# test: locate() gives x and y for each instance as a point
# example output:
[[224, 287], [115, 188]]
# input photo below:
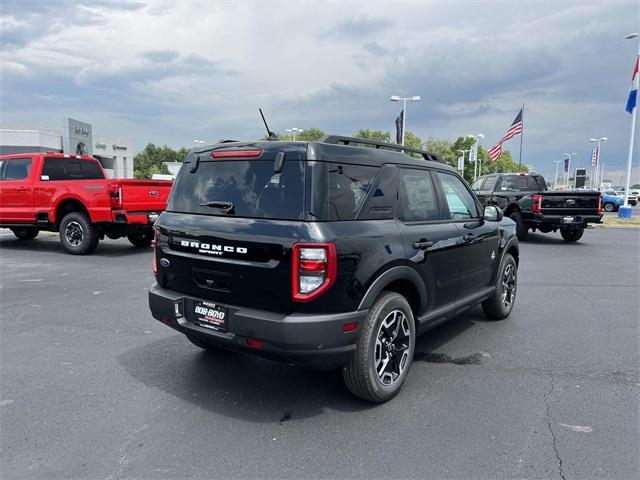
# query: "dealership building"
[[76, 137]]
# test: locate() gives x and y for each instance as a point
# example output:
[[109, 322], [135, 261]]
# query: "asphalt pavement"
[[93, 388]]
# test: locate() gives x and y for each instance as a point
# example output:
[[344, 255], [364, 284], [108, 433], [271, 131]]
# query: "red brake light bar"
[[236, 153]]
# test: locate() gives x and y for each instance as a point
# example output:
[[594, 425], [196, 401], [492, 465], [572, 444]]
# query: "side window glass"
[[477, 185], [461, 204], [417, 197], [17, 169], [382, 198], [54, 169], [348, 186], [490, 184], [2, 162]]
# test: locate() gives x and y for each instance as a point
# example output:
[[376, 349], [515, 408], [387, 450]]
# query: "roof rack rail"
[[341, 140]]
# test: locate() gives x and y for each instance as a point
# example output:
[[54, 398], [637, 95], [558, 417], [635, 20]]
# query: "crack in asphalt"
[[548, 416]]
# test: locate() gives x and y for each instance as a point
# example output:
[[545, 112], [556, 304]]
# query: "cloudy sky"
[[171, 72]]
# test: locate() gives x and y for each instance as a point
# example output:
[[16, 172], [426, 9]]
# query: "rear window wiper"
[[226, 206]]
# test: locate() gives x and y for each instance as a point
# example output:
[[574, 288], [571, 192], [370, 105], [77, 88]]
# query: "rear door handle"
[[422, 244]]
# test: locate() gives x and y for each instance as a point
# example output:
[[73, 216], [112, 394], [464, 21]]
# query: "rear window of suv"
[[251, 187]]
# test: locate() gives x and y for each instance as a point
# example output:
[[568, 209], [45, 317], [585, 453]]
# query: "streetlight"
[[571, 154], [396, 98], [625, 210], [474, 151], [294, 130], [594, 179], [461, 165], [557, 162]]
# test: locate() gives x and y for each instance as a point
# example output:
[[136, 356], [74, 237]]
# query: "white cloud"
[[172, 70]]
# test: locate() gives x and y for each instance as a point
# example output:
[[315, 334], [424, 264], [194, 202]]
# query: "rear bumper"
[[579, 221], [141, 218], [311, 340]]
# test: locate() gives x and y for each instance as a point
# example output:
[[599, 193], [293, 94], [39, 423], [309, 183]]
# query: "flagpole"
[[521, 135]]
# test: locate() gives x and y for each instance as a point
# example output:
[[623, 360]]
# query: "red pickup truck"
[[71, 194]]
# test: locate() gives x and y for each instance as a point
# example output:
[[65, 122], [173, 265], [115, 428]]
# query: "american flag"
[[515, 128]]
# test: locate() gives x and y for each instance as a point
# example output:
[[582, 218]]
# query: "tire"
[[141, 239], [390, 318], [25, 233], [572, 235], [78, 235], [203, 345], [499, 306], [521, 227], [609, 207]]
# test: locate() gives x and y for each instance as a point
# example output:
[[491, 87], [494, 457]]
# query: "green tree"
[[635, 185], [412, 140], [443, 148], [307, 135], [504, 164], [150, 160], [377, 135], [310, 135]]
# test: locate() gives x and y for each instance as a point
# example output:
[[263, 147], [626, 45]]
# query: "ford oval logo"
[[164, 262], [571, 202], [153, 193]]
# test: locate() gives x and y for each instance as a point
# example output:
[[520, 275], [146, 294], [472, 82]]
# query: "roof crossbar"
[[341, 140]]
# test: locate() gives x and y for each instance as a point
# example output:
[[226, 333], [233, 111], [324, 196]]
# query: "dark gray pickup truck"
[[525, 199]]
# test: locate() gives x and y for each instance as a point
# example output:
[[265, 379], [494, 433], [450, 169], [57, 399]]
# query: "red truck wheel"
[[141, 239], [78, 235]]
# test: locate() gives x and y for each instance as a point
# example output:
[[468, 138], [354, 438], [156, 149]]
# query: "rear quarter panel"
[[93, 194]]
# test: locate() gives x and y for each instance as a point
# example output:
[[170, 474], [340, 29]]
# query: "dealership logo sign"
[[81, 131]]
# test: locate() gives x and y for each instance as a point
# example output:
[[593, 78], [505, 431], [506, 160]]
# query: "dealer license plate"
[[568, 219], [210, 315]]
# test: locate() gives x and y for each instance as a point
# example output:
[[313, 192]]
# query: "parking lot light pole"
[[557, 162], [594, 180], [625, 210], [294, 130], [568, 154], [396, 98], [461, 167], [477, 169]]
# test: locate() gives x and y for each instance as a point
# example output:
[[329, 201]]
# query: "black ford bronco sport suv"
[[330, 254]]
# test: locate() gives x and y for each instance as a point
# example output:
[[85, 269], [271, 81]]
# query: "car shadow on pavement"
[[255, 389], [106, 248], [236, 384]]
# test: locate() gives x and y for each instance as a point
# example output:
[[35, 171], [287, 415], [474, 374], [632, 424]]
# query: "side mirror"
[[492, 213]]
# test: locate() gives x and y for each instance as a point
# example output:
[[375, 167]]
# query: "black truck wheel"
[[141, 238], [572, 235], [384, 350], [78, 235], [25, 233], [521, 227], [499, 306]]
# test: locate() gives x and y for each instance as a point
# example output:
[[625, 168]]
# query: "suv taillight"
[[313, 270], [537, 203], [115, 195], [599, 203], [154, 245]]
